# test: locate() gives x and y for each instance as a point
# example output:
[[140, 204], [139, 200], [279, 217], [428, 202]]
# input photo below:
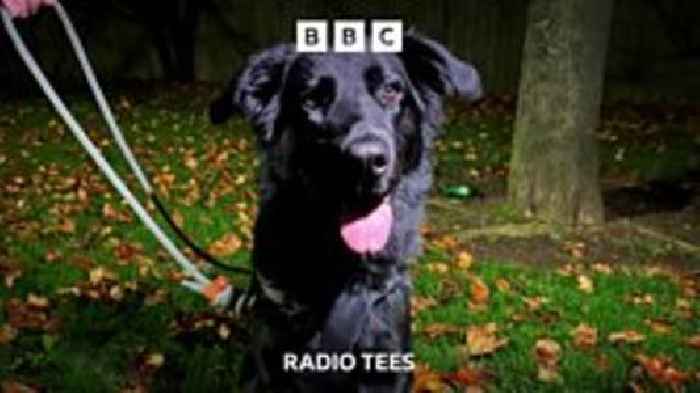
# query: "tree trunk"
[[554, 168]]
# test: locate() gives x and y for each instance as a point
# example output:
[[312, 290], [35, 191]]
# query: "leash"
[[218, 291]]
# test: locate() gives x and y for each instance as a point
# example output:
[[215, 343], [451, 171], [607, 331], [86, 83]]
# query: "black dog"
[[346, 142]]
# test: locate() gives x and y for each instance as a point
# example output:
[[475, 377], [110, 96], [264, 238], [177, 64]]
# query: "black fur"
[[316, 117]]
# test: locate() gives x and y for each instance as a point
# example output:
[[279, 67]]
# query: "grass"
[[151, 334]]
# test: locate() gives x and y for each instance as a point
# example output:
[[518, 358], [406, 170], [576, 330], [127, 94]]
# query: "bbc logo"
[[386, 35]]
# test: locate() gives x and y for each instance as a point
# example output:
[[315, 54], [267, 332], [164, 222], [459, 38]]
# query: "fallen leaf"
[[7, 333], [661, 371], [99, 274], [694, 341], [659, 326], [438, 267], [601, 267], [178, 218], [434, 330], [626, 336], [66, 225], [576, 249], [164, 181], [155, 360], [426, 380], [535, 303], [23, 315], [111, 213], [684, 309], [11, 273], [191, 162], [224, 331], [446, 242], [482, 340], [479, 292], [585, 284], [37, 301], [503, 285], [471, 378], [547, 354], [10, 386], [585, 336], [419, 304], [225, 246], [52, 256], [116, 293], [643, 299], [464, 260], [567, 270], [125, 251]]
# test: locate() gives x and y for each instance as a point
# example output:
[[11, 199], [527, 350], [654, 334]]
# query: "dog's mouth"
[[367, 230]]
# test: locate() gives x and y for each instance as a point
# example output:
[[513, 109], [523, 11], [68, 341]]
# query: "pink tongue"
[[369, 233]]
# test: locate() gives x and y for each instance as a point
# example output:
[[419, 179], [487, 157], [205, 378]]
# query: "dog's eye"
[[319, 96], [391, 93]]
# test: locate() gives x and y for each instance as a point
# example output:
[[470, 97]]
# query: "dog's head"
[[346, 126]]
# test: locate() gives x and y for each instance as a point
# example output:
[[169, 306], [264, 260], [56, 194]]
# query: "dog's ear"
[[436, 72], [254, 92]]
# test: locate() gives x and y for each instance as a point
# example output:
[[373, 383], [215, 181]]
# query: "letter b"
[[349, 36], [312, 35]]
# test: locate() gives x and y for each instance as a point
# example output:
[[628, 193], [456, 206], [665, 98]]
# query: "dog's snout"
[[372, 155]]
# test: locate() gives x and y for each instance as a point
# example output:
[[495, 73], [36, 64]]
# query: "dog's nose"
[[372, 155]]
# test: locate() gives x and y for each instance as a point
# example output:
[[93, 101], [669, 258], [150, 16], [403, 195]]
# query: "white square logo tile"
[[312, 35], [349, 36], [387, 36]]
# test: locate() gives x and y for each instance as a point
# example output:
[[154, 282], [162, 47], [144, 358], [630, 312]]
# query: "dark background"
[[654, 48]]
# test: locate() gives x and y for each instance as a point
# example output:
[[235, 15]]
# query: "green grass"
[[607, 308], [100, 345]]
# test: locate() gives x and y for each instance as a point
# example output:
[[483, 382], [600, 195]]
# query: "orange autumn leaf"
[[11, 273], [419, 304], [66, 225], [446, 242], [464, 260], [7, 333], [547, 355], [482, 340], [642, 299], [659, 326], [662, 371], [694, 341], [10, 386], [125, 251], [426, 380], [502, 284], [36, 301], [178, 218], [567, 270], [585, 284], [470, 377], [535, 303], [111, 213], [626, 337], [225, 246], [585, 336], [601, 267], [434, 330], [479, 291]]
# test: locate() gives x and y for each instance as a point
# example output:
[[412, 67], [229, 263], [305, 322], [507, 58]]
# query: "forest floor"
[[503, 303]]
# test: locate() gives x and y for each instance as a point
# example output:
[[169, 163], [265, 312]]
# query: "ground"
[[503, 303]]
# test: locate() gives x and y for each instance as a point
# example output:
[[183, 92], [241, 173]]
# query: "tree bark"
[[554, 167]]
